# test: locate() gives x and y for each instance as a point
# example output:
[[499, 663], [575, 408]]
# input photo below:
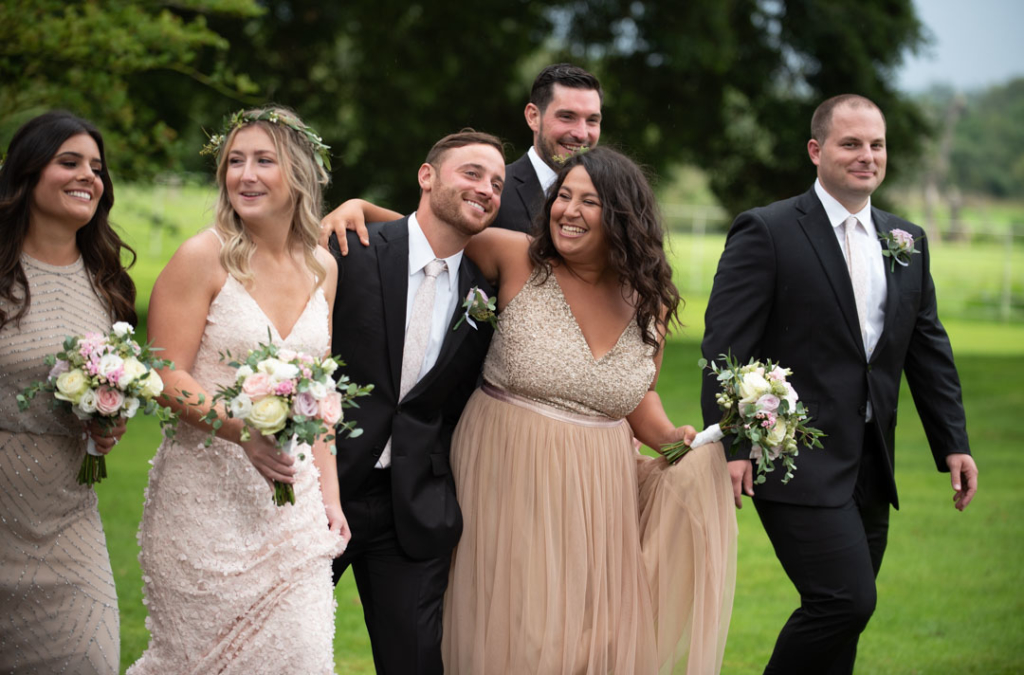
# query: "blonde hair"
[[305, 178]]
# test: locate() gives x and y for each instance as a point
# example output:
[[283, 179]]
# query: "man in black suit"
[[564, 114], [395, 480], [804, 283]]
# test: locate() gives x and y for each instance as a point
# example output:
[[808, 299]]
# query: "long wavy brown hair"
[[30, 151], [633, 228]]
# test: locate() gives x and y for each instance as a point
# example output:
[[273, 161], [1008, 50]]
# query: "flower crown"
[[321, 151]]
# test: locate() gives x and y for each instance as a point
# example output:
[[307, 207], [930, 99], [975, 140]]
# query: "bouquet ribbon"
[[710, 435]]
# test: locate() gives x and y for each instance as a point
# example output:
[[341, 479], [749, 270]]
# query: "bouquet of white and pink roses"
[[290, 396], [104, 377], [759, 406]]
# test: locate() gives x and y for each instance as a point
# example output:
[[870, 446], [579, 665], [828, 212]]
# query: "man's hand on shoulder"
[[348, 216], [963, 475]]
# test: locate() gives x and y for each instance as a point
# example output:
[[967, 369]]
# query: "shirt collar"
[[545, 174], [837, 213], [420, 252]]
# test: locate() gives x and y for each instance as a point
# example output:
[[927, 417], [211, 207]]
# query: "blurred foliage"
[[96, 59], [726, 85], [988, 142]]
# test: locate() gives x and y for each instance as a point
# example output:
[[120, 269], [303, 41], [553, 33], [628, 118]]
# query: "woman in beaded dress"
[[60, 274], [235, 584], [579, 555]]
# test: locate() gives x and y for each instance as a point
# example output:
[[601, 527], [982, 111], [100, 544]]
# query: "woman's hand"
[[685, 433], [337, 522], [269, 460], [106, 434]]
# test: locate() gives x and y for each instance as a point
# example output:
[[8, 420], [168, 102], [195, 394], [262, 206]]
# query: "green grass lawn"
[[950, 598]]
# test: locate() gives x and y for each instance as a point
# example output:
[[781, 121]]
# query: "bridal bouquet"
[[759, 406], [290, 396], [103, 377]]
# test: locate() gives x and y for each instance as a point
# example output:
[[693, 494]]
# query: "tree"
[[98, 60]]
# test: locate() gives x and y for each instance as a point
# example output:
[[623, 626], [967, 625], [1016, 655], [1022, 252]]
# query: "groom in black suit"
[[564, 114], [396, 484], [804, 283]]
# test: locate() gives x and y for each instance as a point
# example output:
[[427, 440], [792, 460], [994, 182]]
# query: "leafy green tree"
[[988, 142], [99, 59]]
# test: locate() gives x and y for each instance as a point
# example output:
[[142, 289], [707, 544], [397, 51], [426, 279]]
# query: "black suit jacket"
[[369, 335], [782, 291], [522, 199]]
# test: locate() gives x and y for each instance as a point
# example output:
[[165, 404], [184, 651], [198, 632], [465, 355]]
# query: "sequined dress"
[[233, 583], [58, 605], [579, 555]]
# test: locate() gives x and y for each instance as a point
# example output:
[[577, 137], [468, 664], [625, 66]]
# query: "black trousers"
[[832, 556], [402, 598]]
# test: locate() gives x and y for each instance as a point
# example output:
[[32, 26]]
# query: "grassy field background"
[[950, 598]]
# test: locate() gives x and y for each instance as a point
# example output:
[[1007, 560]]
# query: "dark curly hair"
[[632, 226], [30, 151]]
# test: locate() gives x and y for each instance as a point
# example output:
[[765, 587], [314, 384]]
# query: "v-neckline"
[[270, 322], [579, 330]]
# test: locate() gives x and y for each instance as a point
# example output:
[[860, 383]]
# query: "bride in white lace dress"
[[235, 584]]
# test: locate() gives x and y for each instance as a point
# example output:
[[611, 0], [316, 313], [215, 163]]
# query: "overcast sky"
[[976, 43]]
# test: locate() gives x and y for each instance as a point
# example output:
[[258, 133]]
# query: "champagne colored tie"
[[858, 268], [417, 335]]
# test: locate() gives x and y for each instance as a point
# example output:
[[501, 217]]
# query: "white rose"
[[240, 406], [108, 364], [131, 406], [753, 386], [269, 415], [71, 385], [243, 372], [277, 370], [329, 365], [152, 385], [778, 433], [133, 370], [317, 390], [87, 403], [122, 328]]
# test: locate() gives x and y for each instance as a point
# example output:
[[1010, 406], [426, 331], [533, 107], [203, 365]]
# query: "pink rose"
[[286, 354], [285, 388], [904, 240], [330, 408], [108, 400], [305, 405], [768, 402], [257, 386]]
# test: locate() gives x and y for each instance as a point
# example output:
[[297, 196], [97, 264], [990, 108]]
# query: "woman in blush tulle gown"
[[60, 275], [233, 583], [578, 554]]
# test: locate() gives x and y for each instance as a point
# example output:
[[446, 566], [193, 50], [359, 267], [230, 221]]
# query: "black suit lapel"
[[528, 187], [822, 236], [883, 225], [393, 266]]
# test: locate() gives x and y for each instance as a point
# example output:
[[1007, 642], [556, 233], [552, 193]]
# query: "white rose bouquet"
[[290, 396], [760, 406], [104, 377]]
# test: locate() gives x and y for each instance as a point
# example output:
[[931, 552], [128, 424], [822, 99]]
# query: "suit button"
[[398, 410], [869, 367], [862, 411]]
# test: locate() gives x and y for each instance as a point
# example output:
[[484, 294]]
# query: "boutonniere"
[[899, 246], [478, 307]]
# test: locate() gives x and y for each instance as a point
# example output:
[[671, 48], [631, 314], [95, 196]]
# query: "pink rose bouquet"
[[290, 396], [104, 377], [759, 406]]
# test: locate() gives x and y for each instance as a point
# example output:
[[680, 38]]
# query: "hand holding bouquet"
[[760, 406], [102, 378], [291, 397]]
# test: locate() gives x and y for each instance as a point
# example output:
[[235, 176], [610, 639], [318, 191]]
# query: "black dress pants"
[[402, 597], [832, 556]]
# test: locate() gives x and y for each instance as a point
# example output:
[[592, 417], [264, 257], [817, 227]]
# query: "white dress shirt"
[[445, 302], [545, 174]]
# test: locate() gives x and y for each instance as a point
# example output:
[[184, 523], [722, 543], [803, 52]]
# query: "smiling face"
[[572, 119], [255, 180], [70, 187], [576, 228], [851, 159], [464, 190]]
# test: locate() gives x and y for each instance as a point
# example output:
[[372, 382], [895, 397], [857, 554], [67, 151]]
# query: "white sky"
[[976, 43]]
